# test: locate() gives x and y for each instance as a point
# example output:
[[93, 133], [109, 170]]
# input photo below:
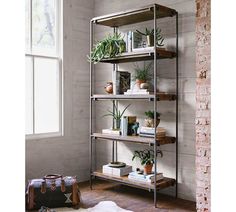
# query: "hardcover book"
[[122, 171]]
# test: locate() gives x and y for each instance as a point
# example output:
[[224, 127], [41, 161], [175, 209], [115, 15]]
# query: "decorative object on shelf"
[[150, 36], [136, 40], [122, 81], [109, 87], [117, 115], [144, 85], [116, 170], [131, 122], [109, 47], [142, 74], [149, 121], [149, 132], [116, 164], [124, 126], [135, 128], [146, 158]]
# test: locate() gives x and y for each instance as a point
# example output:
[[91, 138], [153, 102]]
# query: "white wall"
[[68, 155], [186, 9]]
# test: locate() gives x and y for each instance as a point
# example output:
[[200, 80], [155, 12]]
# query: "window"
[[43, 68]]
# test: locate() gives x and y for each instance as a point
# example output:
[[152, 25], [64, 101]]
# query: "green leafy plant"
[[109, 47], [159, 37], [146, 156], [142, 73], [117, 114], [150, 114]]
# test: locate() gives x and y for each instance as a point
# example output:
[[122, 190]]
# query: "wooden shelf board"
[[140, 56], [166, 182], [135, 139], [134, 16], [160, 97]]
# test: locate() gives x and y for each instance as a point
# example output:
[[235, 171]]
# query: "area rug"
[[103, 206]]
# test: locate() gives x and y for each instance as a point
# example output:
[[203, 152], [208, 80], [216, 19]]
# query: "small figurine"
[[135, 128]]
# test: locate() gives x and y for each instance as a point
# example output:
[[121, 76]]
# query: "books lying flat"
[[122, 171], [145, 178], [136, 91], [149, 132], [111, 132]]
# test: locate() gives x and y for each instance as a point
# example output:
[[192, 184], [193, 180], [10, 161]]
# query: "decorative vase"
[[139, 82], [150, 40], [149, 122], [109, 87], [117, 124], [148, 169], [144, 85]]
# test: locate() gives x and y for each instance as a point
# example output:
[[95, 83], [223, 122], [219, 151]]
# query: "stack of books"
[[119, 171], [111, 132], [136, 91], [134, 176], [149, 132]]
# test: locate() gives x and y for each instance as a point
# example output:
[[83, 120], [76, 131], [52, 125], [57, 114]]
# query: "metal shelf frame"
[[103, 19]]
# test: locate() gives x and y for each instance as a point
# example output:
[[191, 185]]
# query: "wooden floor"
[[133, 199]]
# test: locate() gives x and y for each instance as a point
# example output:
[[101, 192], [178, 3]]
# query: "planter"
[[150, 40], [139, 82], [150, 122], [148, 169], [117, 124]]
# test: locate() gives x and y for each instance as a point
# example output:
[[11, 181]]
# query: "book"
[[145, 49], [122, 171], [145, 178], [136, 91], [111, 132], [122, 81]]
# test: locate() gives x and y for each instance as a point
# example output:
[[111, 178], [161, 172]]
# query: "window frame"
[[58, 56]]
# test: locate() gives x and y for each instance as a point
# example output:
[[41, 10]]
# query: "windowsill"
[[43, 136]]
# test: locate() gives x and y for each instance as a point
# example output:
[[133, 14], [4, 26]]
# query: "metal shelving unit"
[[115, 20]]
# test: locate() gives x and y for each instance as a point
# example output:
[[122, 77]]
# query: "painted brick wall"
[[203, 105]]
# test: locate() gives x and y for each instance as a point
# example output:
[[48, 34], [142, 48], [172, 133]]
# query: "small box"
[[116, 171]]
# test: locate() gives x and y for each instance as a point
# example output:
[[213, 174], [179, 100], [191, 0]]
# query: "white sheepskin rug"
[[104, 206]]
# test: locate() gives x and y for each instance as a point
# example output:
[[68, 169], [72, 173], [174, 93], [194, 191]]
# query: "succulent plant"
[[159, 37]]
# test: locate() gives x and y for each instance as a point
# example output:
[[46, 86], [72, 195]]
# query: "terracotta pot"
[[148, 168], [150, 122], [138, 82]]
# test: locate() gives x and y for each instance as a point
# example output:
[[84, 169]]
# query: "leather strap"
[[52, 176]]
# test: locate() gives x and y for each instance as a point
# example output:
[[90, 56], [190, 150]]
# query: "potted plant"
[[109, 47], [146, 158], [142, 74], [149, 121], [150, 36], [117, 115]]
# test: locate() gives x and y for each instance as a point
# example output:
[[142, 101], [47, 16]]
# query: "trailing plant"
[[150, 114], [142, 73], [146, 156], [109, 47], [159, 37]]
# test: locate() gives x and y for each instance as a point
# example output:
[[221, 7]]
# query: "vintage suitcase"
[[52, 191]]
